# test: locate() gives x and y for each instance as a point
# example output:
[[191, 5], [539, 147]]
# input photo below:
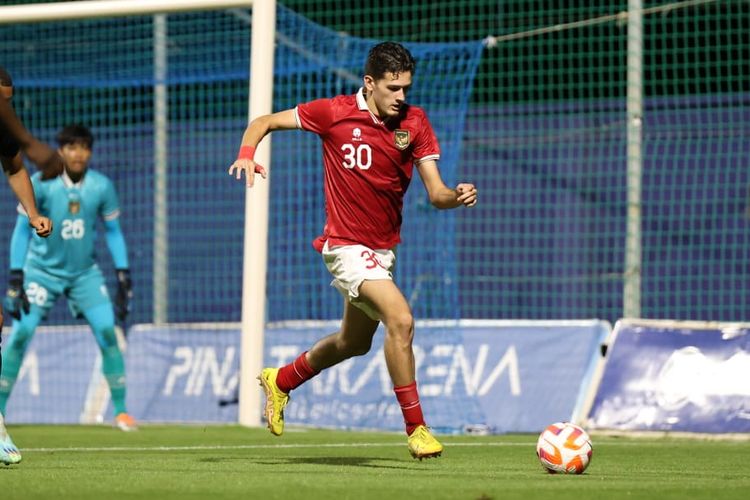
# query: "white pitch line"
[[635, 442], [252, 447]]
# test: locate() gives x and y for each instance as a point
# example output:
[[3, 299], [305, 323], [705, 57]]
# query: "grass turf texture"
[[215, 462]]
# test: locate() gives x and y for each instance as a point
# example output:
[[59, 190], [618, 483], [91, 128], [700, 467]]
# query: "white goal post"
[[256, 200]]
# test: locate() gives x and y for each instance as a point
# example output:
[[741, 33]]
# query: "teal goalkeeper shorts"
[[84, 291]]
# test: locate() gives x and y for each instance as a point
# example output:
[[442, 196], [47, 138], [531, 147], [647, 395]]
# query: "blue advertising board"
[[675, 376], [491, 376], [52, 381], [502, 376]]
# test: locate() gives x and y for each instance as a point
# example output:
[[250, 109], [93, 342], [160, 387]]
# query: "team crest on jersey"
[[401, 139], [74, 206]]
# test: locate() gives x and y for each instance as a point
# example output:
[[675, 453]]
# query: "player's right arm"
[[18, 179], [254, 133]]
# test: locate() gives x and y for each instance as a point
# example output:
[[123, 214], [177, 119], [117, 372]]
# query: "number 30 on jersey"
[[359, 156]]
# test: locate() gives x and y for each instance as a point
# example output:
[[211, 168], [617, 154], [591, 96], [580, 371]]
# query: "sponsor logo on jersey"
[[401, 139], [356, 134]]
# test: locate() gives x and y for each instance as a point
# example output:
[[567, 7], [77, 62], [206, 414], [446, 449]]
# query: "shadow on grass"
[[372, 462]]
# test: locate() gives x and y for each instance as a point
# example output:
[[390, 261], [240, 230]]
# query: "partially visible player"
[[371, 142], [11, 127], [41, 271], [18, 178]]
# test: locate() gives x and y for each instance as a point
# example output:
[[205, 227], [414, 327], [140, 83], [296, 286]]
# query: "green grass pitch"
[[217, 462]]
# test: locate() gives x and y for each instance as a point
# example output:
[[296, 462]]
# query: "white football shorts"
[[350, 265]]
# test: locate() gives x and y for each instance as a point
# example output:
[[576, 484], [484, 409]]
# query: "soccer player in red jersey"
[[371, 142]]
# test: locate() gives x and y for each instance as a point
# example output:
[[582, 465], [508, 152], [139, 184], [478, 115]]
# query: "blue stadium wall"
[[558, 267]]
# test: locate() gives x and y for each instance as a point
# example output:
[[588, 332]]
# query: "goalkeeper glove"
[[124, 294], [15, 298]]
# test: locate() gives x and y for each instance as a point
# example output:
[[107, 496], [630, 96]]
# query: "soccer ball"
[[564, 447]]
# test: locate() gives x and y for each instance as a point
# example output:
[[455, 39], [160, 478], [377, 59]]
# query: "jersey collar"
[[69, 182], [362, 105]]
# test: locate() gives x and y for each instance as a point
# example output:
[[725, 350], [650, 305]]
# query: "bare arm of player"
[[13, 125], [18, 179], [441, 196], [46, 158], [254, 133]]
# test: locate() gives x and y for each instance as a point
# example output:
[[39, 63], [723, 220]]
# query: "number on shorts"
[[372, 258], [36, 294]]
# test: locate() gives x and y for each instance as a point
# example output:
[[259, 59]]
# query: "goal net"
[[174, 89]]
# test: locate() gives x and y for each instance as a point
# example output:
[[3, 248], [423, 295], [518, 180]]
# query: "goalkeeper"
[[43, 270], [18, 178]]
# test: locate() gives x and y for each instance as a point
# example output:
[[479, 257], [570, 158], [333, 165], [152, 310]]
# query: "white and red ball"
[[564, 447]]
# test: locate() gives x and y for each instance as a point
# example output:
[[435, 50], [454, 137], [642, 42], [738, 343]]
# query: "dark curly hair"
[[75, 134], [389, 57]]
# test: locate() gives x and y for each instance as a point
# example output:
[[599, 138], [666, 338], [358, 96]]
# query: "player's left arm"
[[13, 124], [20, 184], [119, 251], [441, 196], [46, 158], [110, 213]]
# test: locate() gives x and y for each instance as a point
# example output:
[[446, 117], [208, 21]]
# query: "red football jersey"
[[368, 165]]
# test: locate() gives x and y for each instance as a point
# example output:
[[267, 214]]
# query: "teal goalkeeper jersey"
[[74, 209]]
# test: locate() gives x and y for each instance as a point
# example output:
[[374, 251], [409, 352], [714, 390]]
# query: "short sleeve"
[[315, 116], [426, 146]]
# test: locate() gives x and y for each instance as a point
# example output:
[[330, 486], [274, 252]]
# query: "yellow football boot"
[[422, 444], [276, 400]]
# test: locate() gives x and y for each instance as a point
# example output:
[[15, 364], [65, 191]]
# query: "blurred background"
[[536, 118]]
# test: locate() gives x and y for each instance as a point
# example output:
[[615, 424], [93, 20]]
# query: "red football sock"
[[408, 398], [295, 374]]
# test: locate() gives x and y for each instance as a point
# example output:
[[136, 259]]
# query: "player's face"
[[387, 95], [6, 92], [76, 157]]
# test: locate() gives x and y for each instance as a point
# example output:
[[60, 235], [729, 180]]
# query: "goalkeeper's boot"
[[9, 454], [422, 444], [125, 422], [276, 400]]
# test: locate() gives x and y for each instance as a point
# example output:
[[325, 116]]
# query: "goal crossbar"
[[45, 12]]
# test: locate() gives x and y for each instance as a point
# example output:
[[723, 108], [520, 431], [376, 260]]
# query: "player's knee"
[[106, 338], [360, 348], [20, 337], [354, 346], [401, 326]]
